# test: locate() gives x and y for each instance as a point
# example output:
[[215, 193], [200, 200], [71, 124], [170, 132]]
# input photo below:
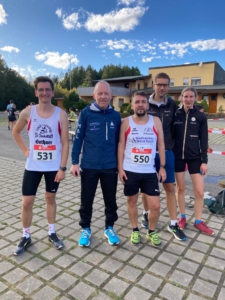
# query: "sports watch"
[[162, 166], [63, 168]]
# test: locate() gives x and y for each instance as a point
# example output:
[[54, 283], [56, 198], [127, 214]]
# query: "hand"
[[210, 150], [122, 176], [203, 169], [60, 176], [162, 175], [75, 170], [27, 152]]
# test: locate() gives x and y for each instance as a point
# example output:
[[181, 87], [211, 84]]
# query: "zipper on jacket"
[[185, 131], [106, 130]]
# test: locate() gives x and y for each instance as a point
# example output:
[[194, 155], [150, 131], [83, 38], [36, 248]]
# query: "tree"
[[81, 104], [71, 99]]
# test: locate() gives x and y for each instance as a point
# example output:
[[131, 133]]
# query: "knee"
[[199, 194], [50, 198], [155, 207], [27, 205], [180, 189], [169, 188], [131, 203]]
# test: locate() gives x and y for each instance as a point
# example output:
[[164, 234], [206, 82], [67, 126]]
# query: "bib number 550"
[[141, 159]]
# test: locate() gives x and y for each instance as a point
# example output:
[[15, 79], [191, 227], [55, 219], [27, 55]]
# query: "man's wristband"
[[162, 166]]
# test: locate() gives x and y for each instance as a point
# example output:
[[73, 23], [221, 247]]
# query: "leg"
[[153, 216], [132, 210], [50, 207], [198, 186], [27, 207], [144, 202], [180, 179], [170, 200]]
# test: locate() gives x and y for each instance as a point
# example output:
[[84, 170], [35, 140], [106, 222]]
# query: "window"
[[146, 85], [111, 102], [121, 101], [196, 81], [171, 82], [138, 86], [172, 97], [205, 97], [185, 81]]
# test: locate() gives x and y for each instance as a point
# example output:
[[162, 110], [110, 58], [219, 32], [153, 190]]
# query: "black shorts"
[[193, 165], [31, 181], [146, 182], [11, 118]]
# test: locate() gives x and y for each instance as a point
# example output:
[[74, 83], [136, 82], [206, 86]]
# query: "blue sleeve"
[[78, 139]]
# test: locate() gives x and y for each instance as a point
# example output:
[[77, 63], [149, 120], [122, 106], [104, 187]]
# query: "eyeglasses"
[[44, 90], [161, 85]]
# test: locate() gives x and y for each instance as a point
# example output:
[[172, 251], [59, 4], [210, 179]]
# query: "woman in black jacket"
[[190, 147]]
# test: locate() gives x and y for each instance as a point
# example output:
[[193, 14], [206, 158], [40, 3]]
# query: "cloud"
[[3, 15], [149, 59], [54, 59], [69, 22], [129, 2], [10, 49], [117, 20], [212, 44], [117, 54]]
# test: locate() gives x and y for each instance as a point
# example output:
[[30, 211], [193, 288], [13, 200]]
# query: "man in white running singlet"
[[47, 155], [139, 136]]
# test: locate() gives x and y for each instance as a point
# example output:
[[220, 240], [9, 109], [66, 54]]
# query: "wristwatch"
[[162, 166], [63, 168]]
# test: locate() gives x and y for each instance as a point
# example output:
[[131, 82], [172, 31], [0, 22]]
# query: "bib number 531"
[[44, 156]]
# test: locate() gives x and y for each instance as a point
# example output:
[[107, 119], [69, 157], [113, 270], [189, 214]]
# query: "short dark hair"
[[198, 106], [43, 79], [140, 93], [11, 101], [162, 75]]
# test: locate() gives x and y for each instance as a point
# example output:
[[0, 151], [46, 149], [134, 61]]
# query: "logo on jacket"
[[193, 119], [111, 125]]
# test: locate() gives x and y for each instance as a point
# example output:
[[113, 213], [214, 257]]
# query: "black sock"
[[135, 229], [150, 231]]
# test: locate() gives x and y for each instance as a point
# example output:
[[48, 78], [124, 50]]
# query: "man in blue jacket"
[[98, 131]]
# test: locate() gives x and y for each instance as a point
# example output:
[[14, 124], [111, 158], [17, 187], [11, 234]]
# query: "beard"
[[141, 114]]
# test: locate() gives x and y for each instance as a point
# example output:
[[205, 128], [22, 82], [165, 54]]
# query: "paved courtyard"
[[192, 270]]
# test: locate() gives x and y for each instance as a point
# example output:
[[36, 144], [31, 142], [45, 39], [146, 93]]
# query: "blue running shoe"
[[85, 238], [111, 235]]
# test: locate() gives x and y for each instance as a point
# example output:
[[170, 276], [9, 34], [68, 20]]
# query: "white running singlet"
[[45, 142], [140, 149]]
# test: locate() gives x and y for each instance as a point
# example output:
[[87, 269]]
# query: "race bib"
[[141, 155], [44, 153]]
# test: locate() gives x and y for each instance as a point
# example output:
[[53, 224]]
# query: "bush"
[[129, 110], [204, 104], [123, 108], [124, 115]]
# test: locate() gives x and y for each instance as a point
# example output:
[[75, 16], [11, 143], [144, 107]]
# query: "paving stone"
[[214, 225], [80, 268], [206, 239], [51, 253], [168, 258], [218, 253], [64, 281], [215, 263], [220, 243], [176, 249], [195, 297], [94, 257], [140, 261], [106, 248], [2, 287], [116, 286], [111, 265], [34, 264], [200, 247], [188, 266], [122, 254], [81, 291], [129, 273], [11, 295], [194, 255], [181, 278], [46, 293], [133, 248], [48, 272], [172, 292], [80, 251], [136, 293], [29, 285], [5, 266], [3, 243], [65, 260], [160, 269], [102, 296], [221, 294], [15, 275], [97, 277], [149, 251], [209, 274], [204, 288], [7, 251], [150, 282]]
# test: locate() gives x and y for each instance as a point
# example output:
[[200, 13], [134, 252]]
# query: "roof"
[[184, 65], [126, 78]]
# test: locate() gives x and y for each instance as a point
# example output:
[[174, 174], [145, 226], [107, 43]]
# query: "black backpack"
[[217, 206]]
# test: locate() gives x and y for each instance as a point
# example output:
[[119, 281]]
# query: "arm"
[[121, 147], [20, 124], [65, 146], [77, 145], [203, 137], [161, 149]]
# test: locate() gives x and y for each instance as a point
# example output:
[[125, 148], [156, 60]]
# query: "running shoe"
[[177, 232], [23, 244], [110, 233], [154, 238], [204, 228], [144, 220], [85, 237], [57, 243], [135, 237], [182, 223]]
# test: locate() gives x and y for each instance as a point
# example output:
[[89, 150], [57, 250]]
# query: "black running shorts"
[[193, 165]]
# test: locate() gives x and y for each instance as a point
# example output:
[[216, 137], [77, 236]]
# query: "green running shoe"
[[135, 237], [154, 238]]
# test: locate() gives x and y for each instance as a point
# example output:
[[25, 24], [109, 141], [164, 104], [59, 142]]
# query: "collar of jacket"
[[94, 107], [191, 110], [152, 101]]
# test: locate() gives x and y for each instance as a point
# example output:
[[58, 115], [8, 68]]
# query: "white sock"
[[145, 212], [26, 232], [173, 222], [51, 228]]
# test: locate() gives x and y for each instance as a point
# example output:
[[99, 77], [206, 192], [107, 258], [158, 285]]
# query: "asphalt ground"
[[190, 270]]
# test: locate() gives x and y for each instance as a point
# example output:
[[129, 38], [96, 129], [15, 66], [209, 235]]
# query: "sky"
[[48, 37]]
